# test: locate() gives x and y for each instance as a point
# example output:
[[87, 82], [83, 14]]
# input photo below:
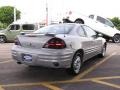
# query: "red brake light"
[[17, 42], [55, 43]]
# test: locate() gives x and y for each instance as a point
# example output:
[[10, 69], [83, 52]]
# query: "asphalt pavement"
[[96, 73]]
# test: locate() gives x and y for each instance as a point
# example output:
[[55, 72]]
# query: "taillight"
[[55, 43], [17, 42]]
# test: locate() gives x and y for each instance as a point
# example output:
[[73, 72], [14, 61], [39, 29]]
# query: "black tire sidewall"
[[113, 39], [4, 38], [73, 60]]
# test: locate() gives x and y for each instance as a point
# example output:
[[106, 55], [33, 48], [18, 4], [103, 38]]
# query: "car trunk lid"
[[34, 40]]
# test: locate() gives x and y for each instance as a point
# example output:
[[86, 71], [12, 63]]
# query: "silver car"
[[59, 46]]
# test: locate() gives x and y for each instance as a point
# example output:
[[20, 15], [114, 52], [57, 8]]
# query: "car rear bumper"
[[46, 58]]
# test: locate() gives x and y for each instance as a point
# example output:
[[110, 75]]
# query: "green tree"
[[2, 26], [7, 14], [116, 22]]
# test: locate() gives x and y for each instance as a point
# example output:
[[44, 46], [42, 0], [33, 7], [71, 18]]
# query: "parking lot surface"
[[96, 73]]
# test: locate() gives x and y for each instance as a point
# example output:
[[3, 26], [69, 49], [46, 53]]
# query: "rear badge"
[[26, 57]]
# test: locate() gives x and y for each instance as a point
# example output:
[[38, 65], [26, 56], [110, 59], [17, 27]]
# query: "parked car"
[[14, 29], [100, 24], [59, 46]]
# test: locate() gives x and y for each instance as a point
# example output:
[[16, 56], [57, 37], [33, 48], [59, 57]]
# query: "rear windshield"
[[14, 27], [28, 27], [56, 29]]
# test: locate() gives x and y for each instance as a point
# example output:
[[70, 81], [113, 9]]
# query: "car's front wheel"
[[116, 38], [76, 64], [2, 39]]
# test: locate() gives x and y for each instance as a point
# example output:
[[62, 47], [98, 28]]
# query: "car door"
[[93, 43], [86, 43]]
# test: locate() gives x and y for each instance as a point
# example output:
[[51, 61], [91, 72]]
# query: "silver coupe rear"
[[59, 46]]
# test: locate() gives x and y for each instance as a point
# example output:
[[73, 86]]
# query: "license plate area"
[[27, 57]]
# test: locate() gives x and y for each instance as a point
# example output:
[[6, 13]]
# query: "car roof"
[[69, 24]]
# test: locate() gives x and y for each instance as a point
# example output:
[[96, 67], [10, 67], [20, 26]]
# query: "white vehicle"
[[100, 24]]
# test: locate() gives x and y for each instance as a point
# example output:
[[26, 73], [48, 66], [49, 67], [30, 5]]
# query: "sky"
[[36, 9]]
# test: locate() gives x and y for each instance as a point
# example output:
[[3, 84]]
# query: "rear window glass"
[[14, 27], [28, 27], [56, 29]]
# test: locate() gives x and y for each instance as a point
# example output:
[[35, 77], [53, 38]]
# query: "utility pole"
[[14, 14], [46, 13]]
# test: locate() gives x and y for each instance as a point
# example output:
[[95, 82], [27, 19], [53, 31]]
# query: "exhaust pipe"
[[19, 63]]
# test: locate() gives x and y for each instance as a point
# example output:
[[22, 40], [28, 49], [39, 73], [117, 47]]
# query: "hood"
[[2, 32]]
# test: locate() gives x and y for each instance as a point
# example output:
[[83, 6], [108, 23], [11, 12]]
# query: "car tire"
[[79, 21], [102, 54], [116, 38], [76, 64], [2, 39]]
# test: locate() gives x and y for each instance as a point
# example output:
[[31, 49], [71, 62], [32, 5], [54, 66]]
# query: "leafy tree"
[[7, 14], [2, 26], [116, 22]]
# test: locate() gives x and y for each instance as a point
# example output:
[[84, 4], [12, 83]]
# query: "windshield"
[[56, 29]]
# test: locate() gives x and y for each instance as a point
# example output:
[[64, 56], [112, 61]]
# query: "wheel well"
[[79, 19], [4, 36], [117, 34], [81, 51]]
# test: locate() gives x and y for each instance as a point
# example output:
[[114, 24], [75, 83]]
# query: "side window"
[[109, 23], [81, 32], [89, 31], [14, 27], [91, 16], [28, 27], [100, 19]]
